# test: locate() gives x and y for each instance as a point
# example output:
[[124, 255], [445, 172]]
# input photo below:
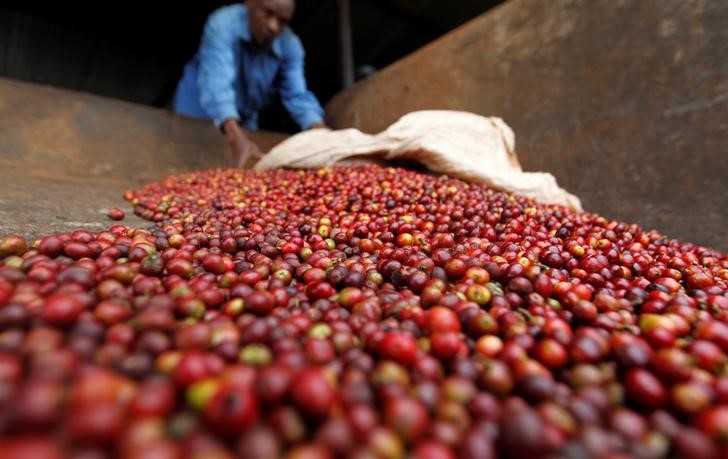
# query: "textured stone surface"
[[625, 102], [66, 157]]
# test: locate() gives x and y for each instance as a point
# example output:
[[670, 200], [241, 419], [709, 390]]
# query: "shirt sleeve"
[[216, 75], [301, 103]]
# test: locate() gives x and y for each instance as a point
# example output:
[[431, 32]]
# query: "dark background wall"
[[135, 50]]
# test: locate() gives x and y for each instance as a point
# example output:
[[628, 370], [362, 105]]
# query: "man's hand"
[[318, 126], [244, 152]]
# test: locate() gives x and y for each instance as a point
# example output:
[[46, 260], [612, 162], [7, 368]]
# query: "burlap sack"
[[463, 145]]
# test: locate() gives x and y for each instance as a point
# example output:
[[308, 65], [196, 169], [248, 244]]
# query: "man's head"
[[268, 18]]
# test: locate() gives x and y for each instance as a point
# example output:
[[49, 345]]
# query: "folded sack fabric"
[[464, 145]]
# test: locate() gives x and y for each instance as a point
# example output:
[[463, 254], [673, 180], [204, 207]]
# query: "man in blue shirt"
[[246, 55]]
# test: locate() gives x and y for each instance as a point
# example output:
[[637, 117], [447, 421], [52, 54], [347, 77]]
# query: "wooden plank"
[[66, 157]]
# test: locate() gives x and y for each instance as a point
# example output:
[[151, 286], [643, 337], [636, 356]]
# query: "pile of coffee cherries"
[[360, 312]]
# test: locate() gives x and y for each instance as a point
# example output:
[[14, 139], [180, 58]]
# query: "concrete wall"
[[624, 101]]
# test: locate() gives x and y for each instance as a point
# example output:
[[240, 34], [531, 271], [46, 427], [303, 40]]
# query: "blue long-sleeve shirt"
[[233, 77]]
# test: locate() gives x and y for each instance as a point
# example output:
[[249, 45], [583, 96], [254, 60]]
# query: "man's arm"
[[245, 153], [216, 83], [217, 70], [301, 103]]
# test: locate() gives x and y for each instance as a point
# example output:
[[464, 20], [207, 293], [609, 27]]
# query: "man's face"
[[268, 18]]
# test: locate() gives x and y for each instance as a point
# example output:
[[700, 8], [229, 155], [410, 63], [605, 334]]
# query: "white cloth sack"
[[460, 144]]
